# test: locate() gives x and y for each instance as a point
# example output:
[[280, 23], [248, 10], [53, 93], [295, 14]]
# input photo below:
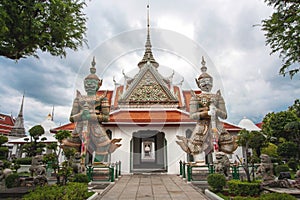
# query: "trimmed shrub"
[[281, 168], [242, 188], [216, 181], [23, 161], [6, 164], [12, 180], [277, 196], [293, 164], [53, 192], [80, 178]]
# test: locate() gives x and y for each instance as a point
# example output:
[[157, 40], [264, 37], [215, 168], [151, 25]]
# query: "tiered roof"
[[6, 124]]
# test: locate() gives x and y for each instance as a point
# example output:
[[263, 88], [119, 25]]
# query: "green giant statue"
[[88, 113]]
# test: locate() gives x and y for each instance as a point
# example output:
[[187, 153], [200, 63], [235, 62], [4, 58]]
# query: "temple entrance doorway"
[[148, 151]]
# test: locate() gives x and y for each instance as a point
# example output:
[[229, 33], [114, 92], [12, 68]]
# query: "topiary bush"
[[281, 168], [293, 164], [54, 192], [6, 164], [12, 180], [23, 161], [80, 178], [243, 188], [216, 181], [277, 196]]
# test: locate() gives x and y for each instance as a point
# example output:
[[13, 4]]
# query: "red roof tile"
[[70, 127], [259, 125], [231, 127], [6, 119], [6, 124]]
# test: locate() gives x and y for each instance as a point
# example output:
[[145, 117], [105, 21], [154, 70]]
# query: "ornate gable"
[[148, 88]]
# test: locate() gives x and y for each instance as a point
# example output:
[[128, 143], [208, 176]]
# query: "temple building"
[[12, 128], [147, 112], [48, 138]]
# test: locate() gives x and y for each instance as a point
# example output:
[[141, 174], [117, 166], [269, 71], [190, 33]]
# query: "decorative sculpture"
[[209, 134], [265, 171], [38, 171], [4, 172], [88, 113], [76, 163], [222, 164]]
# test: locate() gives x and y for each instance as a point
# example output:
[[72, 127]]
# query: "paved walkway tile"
[[152, 187]]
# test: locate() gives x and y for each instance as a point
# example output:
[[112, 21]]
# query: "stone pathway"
[[152, 186]]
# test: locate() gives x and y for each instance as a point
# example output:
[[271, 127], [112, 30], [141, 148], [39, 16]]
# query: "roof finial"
[[203, 68], [93, 68], [148, 20], [148, 56], [148, 43]]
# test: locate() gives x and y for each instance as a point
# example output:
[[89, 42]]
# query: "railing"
[[198, 172], [107, 173]]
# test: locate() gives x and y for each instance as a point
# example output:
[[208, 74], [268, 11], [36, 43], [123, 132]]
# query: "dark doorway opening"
[[148, 151]]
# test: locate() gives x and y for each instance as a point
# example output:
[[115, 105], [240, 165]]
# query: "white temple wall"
[[123, 152], [174, 152]]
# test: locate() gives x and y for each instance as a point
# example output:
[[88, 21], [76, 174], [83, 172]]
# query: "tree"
[[53, 158], [3, 149], [284, 126], [244, 138], [282, 32], [287, 150], [295, 108], [48, 25], [270, 150], [257, 142], [251, 139], [293, 128], [274, 123], [35, 146]]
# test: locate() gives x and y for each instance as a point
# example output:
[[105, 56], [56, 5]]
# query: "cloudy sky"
[[223, 31]]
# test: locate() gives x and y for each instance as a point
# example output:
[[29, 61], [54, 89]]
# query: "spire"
[[21, 108], [18, 129], [52, 116], [148, 56]]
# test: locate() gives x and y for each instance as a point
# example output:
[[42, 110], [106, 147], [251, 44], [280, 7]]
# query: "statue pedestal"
[[199, 157]]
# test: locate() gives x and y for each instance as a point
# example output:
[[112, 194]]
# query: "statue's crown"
[[93, 70], [203, 70]]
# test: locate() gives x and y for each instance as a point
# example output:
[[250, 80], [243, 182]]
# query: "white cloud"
[[221, 30]]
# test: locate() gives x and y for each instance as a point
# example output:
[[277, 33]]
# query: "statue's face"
[[264, 158], [91, 86], [205, 84]]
